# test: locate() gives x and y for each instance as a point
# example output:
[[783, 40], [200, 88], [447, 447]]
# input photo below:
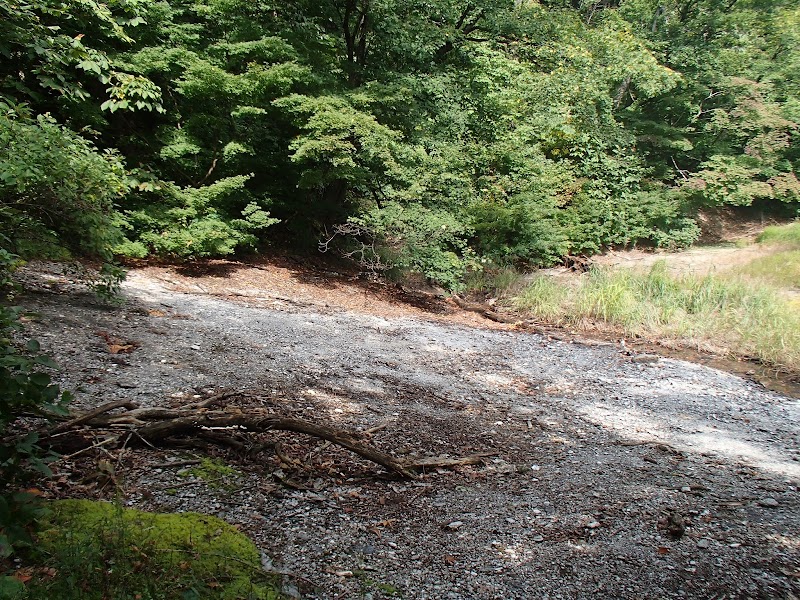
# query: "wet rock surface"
[[611, 477]]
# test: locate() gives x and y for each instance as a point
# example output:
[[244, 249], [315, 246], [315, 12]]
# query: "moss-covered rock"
[[99, 550]]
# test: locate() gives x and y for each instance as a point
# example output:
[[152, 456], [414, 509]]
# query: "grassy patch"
[[214, 472], [728, 313], [781, 269], [544, 298], [95, 550], [781, 234]]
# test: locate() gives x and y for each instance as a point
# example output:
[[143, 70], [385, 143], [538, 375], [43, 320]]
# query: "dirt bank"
[[615, 476]]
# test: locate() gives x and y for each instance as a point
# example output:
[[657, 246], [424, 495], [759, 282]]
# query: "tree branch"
[[158, 426]]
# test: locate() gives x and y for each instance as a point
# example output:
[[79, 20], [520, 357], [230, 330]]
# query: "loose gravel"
[[613, 475]]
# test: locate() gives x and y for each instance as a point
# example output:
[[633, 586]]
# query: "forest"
[[438, 137]]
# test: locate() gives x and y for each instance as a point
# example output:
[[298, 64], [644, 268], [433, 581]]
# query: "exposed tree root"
[[198, 425]]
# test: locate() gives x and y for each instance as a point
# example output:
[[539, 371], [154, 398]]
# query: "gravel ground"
[[613, 476]]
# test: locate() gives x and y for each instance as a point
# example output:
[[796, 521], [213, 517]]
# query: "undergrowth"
[[781, 269], [95, 550], [493, 281]]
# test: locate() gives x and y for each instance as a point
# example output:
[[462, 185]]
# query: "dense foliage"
[[435, 136]]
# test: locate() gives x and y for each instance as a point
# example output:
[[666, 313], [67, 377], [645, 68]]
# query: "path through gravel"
[[615, 476]]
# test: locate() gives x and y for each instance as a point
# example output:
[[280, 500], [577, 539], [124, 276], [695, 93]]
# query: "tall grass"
[[781, 234], [544, 298], [781, 269], [729, 313]]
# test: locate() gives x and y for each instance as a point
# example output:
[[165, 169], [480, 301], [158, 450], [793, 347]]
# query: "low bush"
[[26, 389]]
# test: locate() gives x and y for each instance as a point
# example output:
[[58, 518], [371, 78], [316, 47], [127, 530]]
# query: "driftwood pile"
[[210, 422]]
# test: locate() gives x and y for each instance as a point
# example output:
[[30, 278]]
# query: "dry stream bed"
[[614, 475]]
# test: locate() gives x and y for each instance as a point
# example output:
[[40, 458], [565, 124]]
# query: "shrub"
[[417, 239], [26, 389], [213, 220], [57, 191]]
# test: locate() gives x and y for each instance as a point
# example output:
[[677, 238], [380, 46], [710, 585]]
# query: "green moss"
[[369, 585], [100, 550], [214, 472], [212, 468]]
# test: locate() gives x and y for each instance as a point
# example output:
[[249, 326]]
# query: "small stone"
[[194, 347], [454, 525], [768, 502], [538, 538], [704, 543], [676, 526], [686, 489], [645, 358], [593, 525], [343, 573]]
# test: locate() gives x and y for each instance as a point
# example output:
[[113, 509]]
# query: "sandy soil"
[[614, 475]]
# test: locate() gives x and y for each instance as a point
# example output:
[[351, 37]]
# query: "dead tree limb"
[[449, 463], [198, 425], [92, 414], [257, 423]]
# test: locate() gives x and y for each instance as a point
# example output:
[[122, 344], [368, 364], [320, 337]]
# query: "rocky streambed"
[[610, 475]]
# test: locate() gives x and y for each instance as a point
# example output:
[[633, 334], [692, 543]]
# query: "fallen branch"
[[160, 426], [449, 463], [92, 414], [259, 423]]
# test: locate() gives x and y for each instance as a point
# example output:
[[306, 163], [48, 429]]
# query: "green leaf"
[[45, 361], [40, 379]]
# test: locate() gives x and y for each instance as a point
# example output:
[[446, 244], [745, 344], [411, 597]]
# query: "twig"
[[208, 402], [375, 429], [447, 463], [122, 451], [105, 442], [92, 414], [177, 463]]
